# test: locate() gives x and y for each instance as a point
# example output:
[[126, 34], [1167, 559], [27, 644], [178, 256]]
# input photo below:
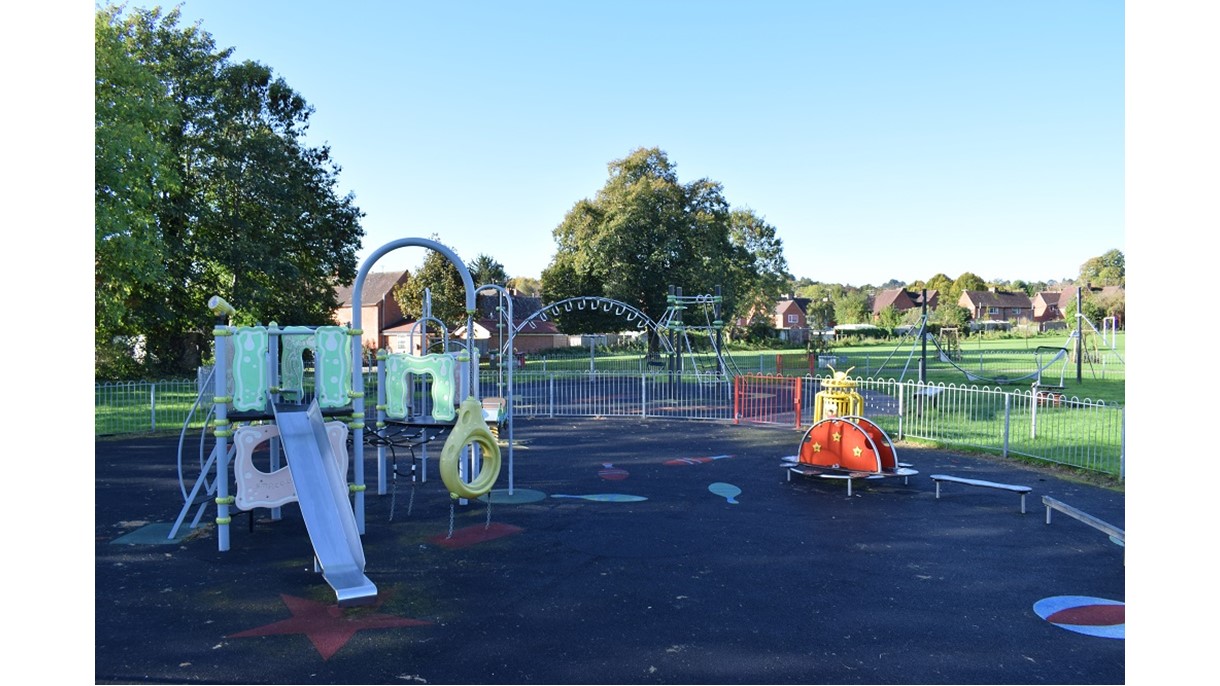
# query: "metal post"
[[923, 338], [1079, 335], [1007, 417]]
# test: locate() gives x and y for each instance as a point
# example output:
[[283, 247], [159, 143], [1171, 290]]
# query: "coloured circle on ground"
[[501, 496], [1085, 615]]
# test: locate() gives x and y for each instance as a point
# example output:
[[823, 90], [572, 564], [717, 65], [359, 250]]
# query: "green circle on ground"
[[501, 496]]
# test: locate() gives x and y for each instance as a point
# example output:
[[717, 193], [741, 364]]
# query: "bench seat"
[[1023, 490]]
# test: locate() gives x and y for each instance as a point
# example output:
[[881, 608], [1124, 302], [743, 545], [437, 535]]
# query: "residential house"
[[1046, 309], [902, 300], [789, 318], [491, 332], [378, 310], [996, 305], [1067, 298]]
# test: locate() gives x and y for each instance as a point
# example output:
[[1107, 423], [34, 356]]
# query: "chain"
[[451, 509], [488, 524]]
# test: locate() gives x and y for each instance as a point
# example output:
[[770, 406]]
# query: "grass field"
[[973, 414], [1103, 379]]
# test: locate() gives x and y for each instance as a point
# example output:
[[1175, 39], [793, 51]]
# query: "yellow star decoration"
[[817, 447], [837, 436], [857, 451]]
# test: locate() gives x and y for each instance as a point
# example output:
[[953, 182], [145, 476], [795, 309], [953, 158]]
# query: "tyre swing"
[[470, 428]]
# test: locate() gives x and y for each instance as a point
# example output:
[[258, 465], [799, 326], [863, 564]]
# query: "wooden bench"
[[984, 484], [1114, 532]]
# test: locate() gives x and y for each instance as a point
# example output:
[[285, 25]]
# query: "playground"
[[435, 536], [794, 582]]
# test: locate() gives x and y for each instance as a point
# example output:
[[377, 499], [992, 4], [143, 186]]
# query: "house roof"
[[523, 305], [1068, 295], [1047, 298], [377, 285], [903, 299], [896, 297], [1003, 299], [784, 305]]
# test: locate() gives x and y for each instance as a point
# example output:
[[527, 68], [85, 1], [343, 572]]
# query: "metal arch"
[[594, 303]]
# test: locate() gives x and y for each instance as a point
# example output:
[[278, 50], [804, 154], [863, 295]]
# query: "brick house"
[[996, 305], [1046, 307], [902, 300], [789, 318], [378, 310], [538, 335]]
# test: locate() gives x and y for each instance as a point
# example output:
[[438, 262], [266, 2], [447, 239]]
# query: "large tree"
[[1108, 269], [133, 168], [760, 269], [966, 282], [645, 231], [253, 214], [485, 269], [443, 283]]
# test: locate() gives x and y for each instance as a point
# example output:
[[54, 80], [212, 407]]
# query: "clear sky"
[[883, 139]]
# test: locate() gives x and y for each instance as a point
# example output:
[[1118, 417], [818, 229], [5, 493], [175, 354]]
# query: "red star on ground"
[[325, 624]]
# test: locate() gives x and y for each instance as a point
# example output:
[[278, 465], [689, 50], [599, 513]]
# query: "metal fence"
[[901, 362], [1070, 431]]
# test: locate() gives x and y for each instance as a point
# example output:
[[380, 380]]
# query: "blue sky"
[[882, 138]]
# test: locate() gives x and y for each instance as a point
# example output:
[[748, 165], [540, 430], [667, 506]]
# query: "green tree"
[[941, 284], [760, 270], [1090, 304], [443, 281], [526, 285], [133, 167], [889, 318], [1109, 269], [254, 215], [486, 270], [951, 314], [643, 232], [852, 308], [966, 282]]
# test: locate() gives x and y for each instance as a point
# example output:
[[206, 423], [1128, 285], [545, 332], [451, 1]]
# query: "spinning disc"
[[839, 444]]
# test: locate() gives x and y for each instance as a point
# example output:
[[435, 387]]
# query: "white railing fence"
[[1071, 431]]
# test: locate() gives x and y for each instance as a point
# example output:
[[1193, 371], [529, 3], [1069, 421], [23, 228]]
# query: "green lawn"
[[987, 357]]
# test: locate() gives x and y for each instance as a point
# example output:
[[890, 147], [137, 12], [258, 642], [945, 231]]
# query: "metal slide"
[[325, 507]]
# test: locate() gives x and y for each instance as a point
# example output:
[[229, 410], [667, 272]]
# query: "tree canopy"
[[645, 231], [204, 186], [441, 279], [484, 269], [1108, 269]]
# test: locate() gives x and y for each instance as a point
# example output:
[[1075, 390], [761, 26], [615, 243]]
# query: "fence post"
[[737, 399], [796, 397], [152, 405], [643, 394], [901, 404], [1122, 446], [1007, 416], [550, 394]]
